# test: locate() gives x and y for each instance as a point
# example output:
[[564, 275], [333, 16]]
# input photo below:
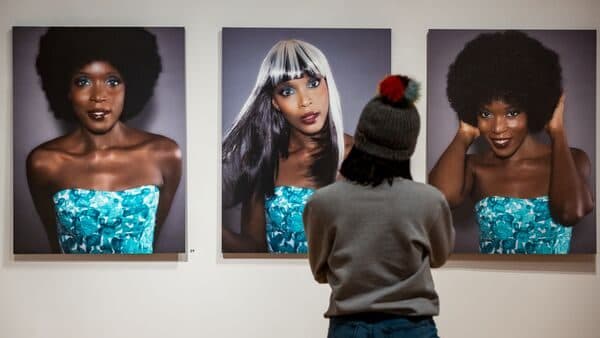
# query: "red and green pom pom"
[[392, 88], [397, 88]]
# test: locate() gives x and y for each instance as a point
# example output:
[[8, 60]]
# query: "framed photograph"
[[99, 140], [511, 138], [291, 99]]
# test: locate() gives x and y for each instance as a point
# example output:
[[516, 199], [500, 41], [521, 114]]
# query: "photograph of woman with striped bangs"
[[511, 132], [103, 171], [291, 133]]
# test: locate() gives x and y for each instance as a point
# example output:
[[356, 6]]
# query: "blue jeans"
[[381, 326]]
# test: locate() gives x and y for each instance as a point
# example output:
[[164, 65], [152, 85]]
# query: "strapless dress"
[[283, 215], [509, 225], [106, 222]]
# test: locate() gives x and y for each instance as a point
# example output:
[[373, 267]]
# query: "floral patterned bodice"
[[509, 225], [283, 214], [103, 222]]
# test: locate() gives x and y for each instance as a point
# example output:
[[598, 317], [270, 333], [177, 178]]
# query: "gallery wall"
[[201, 294]]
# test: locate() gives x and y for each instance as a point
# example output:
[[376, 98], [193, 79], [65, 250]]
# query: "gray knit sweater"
[[375, 246]]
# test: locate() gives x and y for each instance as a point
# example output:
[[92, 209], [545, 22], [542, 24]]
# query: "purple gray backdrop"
[[359, 59], [577, 51], [33, 124]]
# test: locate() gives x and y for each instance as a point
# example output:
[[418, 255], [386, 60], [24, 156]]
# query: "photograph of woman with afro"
[[286, 141], [103, 186], [509, 90]]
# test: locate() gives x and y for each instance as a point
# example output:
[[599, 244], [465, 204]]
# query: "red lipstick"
[[309, 118]]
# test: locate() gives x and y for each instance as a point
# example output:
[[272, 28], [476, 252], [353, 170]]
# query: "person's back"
[[374, 236], [386, 238]]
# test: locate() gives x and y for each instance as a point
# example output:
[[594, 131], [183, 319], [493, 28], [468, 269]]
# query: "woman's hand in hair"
[[452, 174], [467, 133], [556, 125]]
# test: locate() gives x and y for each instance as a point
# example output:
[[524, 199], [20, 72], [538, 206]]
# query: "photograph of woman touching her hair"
[[531, 185], [103, 186], [287, 141]]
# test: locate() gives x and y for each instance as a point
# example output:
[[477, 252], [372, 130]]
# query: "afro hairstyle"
[[65, 50], [509, 66]]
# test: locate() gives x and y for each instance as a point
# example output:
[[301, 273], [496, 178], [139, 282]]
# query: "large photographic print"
[[511, 119], [290, 102], [99, 140]]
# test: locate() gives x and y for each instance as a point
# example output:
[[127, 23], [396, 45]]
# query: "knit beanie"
[[389, 124]]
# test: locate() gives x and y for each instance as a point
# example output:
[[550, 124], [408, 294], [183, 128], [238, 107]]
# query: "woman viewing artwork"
[[506, 87], [286, 142], [375, 235], [103, 187]]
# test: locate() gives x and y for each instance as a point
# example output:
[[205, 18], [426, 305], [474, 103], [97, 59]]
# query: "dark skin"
[[102, 153], [292, 172], [517, 165], [304, 102]]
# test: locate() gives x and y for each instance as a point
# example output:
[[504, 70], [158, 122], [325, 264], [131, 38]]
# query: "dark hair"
[[64, 50], [366, 169], [252, 149], [260, 134], [508, 66]]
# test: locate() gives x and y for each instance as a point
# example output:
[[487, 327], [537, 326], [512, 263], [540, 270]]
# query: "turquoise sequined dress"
[[106, 222], [509, 225], [283, 215]]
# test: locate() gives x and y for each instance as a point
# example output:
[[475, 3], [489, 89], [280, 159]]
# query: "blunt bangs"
[[290, 60]]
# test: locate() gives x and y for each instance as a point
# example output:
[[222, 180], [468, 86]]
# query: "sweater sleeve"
[[441, 236], [319, 242]]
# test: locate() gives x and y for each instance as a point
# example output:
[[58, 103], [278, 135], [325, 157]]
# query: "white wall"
[[206, 296]]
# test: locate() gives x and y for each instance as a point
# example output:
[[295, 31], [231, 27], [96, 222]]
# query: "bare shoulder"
[[49, 155], [582, 161], [348, 144], [165, 146], [348, 140], [46, 162], [40, 160], [158, 145], [579, 155], [164, 150]]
